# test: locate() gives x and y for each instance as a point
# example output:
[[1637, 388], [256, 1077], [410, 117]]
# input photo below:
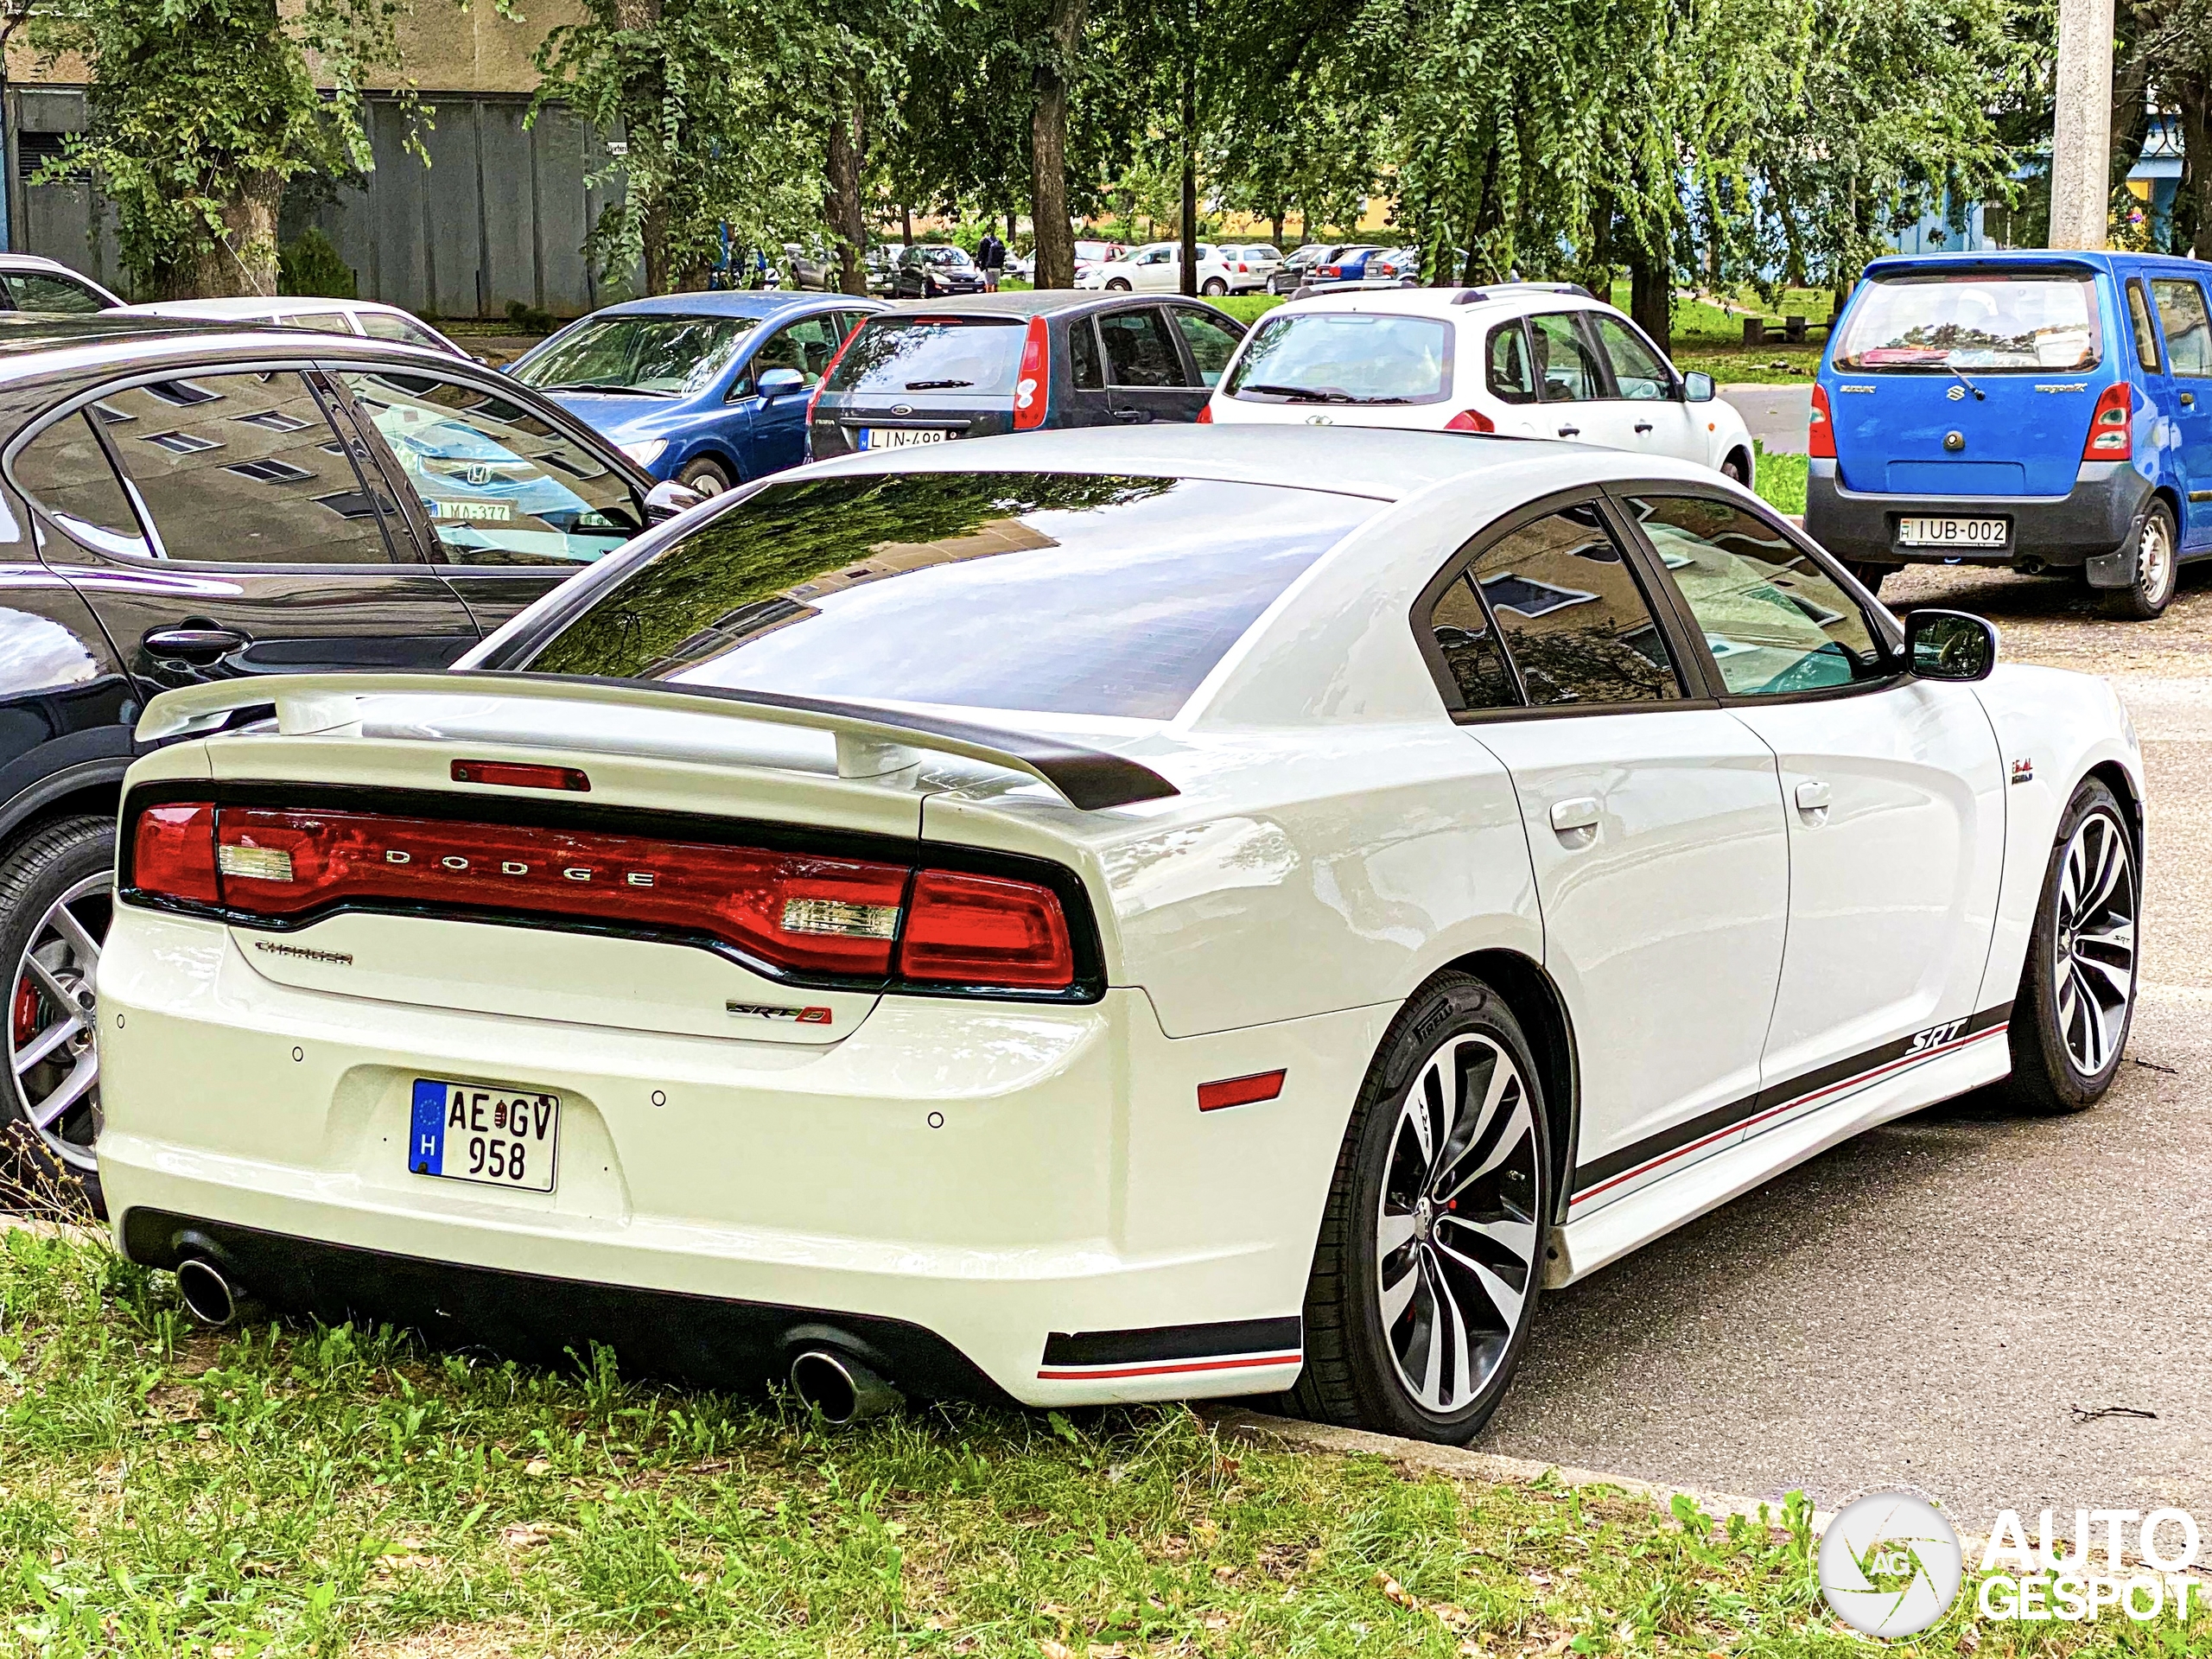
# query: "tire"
[[1737, 468], [705, 474], [1214, 288], [2076, 998], [1366, 1366], [1869, 575], [1119, 285], [55, 888], [2158, 569]]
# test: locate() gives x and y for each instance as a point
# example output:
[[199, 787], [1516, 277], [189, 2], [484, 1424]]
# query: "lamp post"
[[2081, 146]]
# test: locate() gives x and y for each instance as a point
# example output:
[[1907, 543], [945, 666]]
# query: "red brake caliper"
[[27, 1011]]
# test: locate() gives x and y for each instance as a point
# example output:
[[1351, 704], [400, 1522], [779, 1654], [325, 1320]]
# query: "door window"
[[2189, 331], [1138, 349], [1572, 616], [322, 323], [2138, 322], [66, 472], [1084, 366], [381, 325], [1510, 377], [242, 469], [498, 485], [1638, 372], [1774, 621], [37, 290], [1567, 368], [1469, 645], [1211, 345], [807, 346]]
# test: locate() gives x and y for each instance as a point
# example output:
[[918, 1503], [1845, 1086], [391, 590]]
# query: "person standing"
[[990, 257]]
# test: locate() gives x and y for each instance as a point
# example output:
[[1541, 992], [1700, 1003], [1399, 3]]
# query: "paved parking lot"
[[1937, 1304], [1775, 416]]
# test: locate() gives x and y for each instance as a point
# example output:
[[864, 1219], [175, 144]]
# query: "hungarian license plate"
[[1969, 534], [900, 438], [497, 1137]]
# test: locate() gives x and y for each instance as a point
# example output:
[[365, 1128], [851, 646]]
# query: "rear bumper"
[[2097, 520], [1018, 1200]]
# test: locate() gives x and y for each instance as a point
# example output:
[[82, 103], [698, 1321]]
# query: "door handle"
[[1812, 796], [1570, 431], [2188, 400], [1644, 426], [1570, 816], [1134, 416], [197, 645]]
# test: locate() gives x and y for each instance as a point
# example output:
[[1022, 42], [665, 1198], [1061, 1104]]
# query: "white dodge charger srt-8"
[[1099, 916]]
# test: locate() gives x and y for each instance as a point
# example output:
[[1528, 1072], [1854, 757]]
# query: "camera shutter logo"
[[1889, 1565]]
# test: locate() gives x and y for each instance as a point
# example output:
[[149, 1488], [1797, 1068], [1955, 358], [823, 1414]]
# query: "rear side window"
[[34, 291], [381, 325], [1510, 379], [1140, 351], [1084, 366], [2189, 331], [2138, 324], [1043, 592], [893, 357], [1346, 357], [1993, 321], [64, 470], [1573, 617], [1470, 647]]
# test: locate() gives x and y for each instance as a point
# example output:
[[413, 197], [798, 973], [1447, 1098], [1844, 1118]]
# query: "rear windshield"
[[947, 356], [1031, 591], [1346, 357], [2032, 323]]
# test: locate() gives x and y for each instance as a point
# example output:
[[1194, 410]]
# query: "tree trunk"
[[1652, 297], [642, 92], [2196, 100], [1274, 225], [1188, 254], [1048, 148], [848, 214], [244, 261]]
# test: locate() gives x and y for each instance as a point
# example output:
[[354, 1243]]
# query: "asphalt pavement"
[[1776, 415], [2001, 1310]]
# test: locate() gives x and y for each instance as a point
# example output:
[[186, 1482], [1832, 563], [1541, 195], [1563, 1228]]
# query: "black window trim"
[[2136, 286], [78, 403], [1692, 669], [2153, 278], [1884, 626]]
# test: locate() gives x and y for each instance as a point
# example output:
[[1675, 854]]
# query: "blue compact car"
[[709, 390], [2048, 411]]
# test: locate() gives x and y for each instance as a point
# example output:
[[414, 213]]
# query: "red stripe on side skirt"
[[1789, 1106], [1177, 1368]]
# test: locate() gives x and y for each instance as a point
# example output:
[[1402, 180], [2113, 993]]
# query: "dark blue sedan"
[[708, 389]]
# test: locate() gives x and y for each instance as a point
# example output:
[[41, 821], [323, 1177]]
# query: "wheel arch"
[[94, 790], [2114, 777], [1537, 1004], [1742, 451], [717, 448]]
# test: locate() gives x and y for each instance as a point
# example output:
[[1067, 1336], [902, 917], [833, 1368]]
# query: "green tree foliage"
[[2177, 49], [200, 111]]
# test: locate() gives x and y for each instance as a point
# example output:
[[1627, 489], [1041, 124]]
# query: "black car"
[[1015, 362], [928, 268], [185, 502]]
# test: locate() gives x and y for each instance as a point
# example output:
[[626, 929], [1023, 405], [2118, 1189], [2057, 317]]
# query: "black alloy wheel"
[[56, 899], [2076, 998], [1431, 1256]]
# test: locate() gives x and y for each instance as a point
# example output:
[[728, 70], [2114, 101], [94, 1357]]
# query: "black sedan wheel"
[[2078, 995], [56, 894], [1432, 1248]]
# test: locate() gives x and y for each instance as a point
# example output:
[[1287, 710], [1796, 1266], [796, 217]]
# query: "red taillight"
[[1328, 270], [1820, 430], [1206, 414], [1471, 420], [2112, 428], [984, 930], [1240, 1091], [520, 776], [1033, 387], [172, 853]]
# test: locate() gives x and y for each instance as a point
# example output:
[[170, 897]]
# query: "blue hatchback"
[[708, 389], [2048, 411]]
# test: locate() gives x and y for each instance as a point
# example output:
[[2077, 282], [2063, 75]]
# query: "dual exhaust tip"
[[836, 1384]]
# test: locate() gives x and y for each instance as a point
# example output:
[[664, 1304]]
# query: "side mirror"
[[1697, 387], [779, 383], [667, 499], [1949, 645]]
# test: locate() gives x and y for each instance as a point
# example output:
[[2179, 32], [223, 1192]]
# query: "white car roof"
[[252, 305], [1497, 298]]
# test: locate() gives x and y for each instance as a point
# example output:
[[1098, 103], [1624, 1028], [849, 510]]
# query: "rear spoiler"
[[871, 741]]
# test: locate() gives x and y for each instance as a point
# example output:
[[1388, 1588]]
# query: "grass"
[[330, 1492], [1779, 480]]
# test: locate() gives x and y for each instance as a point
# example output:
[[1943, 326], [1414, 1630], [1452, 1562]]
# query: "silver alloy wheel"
[[54, 1063], [2093, 961], [1456, 1234], [2154, 557]]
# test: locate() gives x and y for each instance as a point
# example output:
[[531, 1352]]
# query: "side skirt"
[[1611, 1231]]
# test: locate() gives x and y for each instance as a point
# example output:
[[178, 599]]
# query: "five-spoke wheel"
[[2077, 992], [55, 898]]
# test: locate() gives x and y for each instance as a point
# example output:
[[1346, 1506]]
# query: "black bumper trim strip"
[[1165, 1342]]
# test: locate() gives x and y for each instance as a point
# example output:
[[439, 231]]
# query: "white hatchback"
[[1527, 359], [1157, 268]]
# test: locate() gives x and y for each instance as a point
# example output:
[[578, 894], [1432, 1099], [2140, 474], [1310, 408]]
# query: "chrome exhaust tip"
[[207, 1293], [841, 1388]]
